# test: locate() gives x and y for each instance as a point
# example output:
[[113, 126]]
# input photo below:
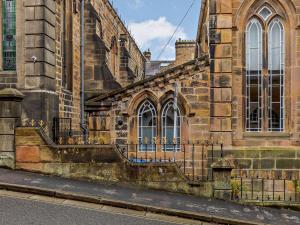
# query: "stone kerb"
[[10, 114]]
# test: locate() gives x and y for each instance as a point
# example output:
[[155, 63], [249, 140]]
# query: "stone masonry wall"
[[113, 59], [192, 79], [220, 28], [100, 163], [69, 99]]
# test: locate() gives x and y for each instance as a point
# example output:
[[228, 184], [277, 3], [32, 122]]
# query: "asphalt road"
[[24, 209]]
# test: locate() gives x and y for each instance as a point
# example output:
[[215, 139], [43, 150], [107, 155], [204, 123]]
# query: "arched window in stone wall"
[[147, 126], [265, 72], [9, 34], [171, 128]]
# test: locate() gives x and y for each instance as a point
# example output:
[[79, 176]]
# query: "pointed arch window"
[[254, 78], [276, 65], [147, 126], [171, 127], [265, 74]]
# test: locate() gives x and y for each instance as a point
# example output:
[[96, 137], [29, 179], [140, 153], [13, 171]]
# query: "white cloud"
[[154, 34]]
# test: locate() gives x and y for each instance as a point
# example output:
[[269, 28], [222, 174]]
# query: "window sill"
[[266, 134]]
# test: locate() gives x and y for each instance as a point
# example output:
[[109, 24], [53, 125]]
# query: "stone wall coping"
[[11, 94], [223, 164]]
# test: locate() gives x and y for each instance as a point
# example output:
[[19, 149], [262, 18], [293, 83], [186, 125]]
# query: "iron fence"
[[194, 159], [265, 189], [61, 128]]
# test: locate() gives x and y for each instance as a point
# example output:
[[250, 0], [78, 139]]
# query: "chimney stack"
[[147, 55]]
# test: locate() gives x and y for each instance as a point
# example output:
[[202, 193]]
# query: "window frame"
[[4, 32], [170, 146], [265, 73], [142, 147]]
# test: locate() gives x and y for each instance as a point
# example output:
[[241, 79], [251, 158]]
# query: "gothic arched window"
[[265, 73], [171, 128], [147, 126]]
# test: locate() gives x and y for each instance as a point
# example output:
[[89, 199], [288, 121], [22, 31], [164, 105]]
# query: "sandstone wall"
[[35, 153]]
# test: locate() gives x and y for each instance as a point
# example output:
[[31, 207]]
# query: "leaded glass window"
[[265, 13], [276, 76], [9, 34], [254, 78], [147, 126], [171, 128], [265, 75]]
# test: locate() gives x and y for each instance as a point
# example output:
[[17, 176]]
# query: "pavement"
[[154, 201]]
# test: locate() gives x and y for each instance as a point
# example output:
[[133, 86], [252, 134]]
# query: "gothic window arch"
[[171, 128], [265, 72], [147, 126]]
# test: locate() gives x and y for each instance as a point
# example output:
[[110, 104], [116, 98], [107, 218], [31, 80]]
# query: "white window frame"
[[169, 145], [145, 107]]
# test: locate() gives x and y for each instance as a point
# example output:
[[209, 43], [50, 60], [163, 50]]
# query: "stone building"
[[41, 54], [241, 87], [237, 84]]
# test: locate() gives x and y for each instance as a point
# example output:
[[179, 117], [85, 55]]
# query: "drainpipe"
[[82, 100]]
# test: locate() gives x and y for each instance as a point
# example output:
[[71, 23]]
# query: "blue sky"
[[152, 22]]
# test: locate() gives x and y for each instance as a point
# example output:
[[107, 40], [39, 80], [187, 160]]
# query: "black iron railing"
[[265, 189], [61, 128], [193, 158]]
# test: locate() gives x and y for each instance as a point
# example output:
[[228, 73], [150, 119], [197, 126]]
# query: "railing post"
[[193, 160], [262, 189], [284, 189], [184, 158], [202, 161]]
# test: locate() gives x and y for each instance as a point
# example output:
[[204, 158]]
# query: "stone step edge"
[[121, 204]]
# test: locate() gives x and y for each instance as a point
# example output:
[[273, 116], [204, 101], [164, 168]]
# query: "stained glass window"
[[9, 34]]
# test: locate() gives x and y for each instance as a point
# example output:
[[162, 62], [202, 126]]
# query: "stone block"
[[221, 80], [221, 65], [7, 126], [278, 154], [215, 124], [244, 163], [224, 6], [221, 109], [32, 167], [252, 154], [10, 109], [288, 164], [226, 124], [226, 36], [7, 159], [263, 164], [39, 69], [7, 143], [221, 51], [51, 5], [40, 83], [42, 55], [28, 154], [224, 21]]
